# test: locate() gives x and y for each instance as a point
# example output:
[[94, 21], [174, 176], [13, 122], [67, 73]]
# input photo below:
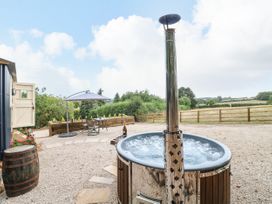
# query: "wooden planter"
[[60, 127]]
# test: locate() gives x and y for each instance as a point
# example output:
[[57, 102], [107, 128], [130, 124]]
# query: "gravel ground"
[[66, 164]]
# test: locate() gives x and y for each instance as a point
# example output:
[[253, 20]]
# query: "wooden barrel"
[[20, 169]]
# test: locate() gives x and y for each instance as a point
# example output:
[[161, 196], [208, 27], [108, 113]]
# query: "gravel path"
[[67, 164]]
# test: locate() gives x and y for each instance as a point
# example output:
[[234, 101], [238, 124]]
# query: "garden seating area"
[[95, 124]]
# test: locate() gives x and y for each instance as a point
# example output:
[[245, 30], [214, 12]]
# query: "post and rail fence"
[[252, 114]]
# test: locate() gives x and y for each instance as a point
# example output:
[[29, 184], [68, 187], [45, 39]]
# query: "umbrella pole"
[[67, 117]]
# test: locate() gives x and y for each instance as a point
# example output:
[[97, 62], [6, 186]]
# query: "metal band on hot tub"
[[203, 167]]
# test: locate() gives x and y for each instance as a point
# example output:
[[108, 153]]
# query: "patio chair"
[[93, 127]]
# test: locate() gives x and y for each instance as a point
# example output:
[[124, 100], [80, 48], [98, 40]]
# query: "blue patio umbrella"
[[80, 96]]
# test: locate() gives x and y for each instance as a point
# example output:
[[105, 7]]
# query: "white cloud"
[[135, 45], [36, 33], [55, 43], [227, 50], [35, 67], [81, 53]]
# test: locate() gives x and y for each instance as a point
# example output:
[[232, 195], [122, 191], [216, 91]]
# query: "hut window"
[[23, 94]]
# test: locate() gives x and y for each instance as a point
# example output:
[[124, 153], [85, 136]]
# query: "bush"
[[187, 92], [270, 100], [49, 108], [108, 109], [184, 103], [85, 107], [210, 102], [77, 115], [134, 107], [264, 95], [143, 95]]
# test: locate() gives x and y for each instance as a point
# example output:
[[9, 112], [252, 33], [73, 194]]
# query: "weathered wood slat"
[[122, 182]]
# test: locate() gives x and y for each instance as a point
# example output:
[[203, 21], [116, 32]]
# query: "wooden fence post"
[[198, 113], [180, 116], [220, 115], [248, 114]]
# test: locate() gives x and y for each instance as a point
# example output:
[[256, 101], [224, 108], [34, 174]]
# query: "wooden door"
[[23, 105]]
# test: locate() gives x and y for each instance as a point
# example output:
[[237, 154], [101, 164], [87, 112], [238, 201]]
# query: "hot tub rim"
[[223, 161]]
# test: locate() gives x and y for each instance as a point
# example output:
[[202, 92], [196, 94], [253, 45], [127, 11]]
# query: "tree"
[[116, 98], [100, 91], [49, 108], [210, 102], [264, 95], [182, 91], [85, 108], [219, 99], [270, 100], [184, 102], [144, 95]]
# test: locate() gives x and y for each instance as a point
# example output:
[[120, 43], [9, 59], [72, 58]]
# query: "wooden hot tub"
[[141, 178]]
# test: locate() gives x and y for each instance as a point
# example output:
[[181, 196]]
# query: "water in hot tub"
[[151, 149]]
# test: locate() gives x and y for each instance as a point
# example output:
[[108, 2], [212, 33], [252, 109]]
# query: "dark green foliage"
[[182, 91], [134, 104], [116, 98], [270, 100], [77, 115], [49, 108], [110, 109], [184, 103], [85, 108], [100, 91], [144, 95], [210, 102], [155, 106], [219, 99], [264, 95]]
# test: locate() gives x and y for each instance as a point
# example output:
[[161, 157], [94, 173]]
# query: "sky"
[[224, 47]]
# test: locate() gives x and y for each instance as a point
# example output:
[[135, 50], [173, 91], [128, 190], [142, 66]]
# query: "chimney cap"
[[169, 19]]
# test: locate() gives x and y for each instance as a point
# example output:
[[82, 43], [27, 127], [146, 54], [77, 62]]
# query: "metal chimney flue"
[[174, 166]]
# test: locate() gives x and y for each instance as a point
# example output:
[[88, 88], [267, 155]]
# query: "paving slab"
[[95, 195], [111, 169], [103, 180]]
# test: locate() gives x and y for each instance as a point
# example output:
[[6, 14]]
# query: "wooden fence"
[[253, 114]]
